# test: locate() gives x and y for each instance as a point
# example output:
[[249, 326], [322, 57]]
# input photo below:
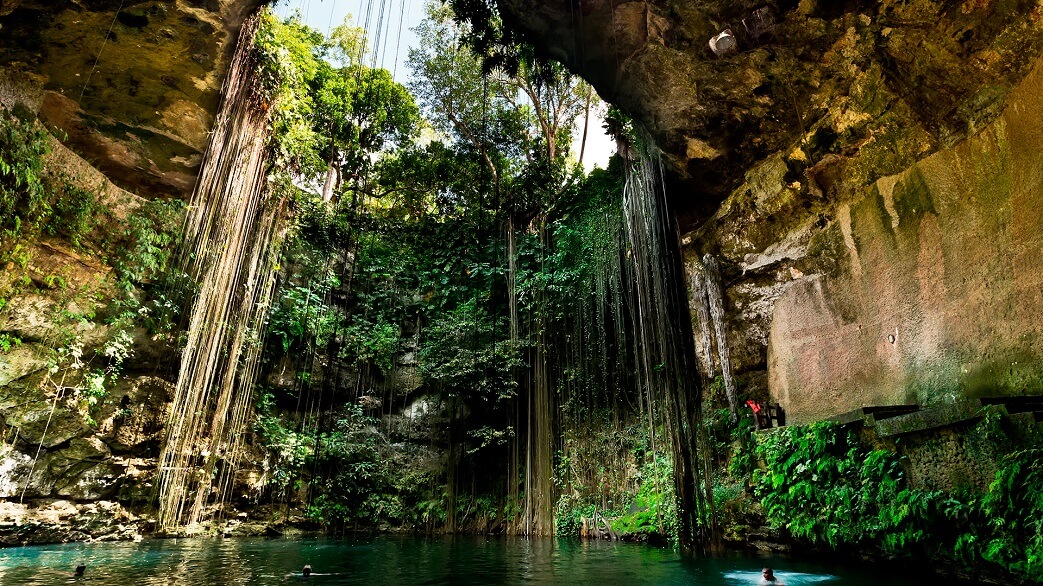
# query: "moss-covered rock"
[[132, 89]]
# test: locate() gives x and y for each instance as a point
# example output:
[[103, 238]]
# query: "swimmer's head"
[[768, 575], [306, 571]]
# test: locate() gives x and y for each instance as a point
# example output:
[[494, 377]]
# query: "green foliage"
[[1013, 511], [346, 112], [583, 248], [361, 110], [449, 82], [415, 230], [652, 510], [615, 476], [569, 515], [76, 211], [619, 126], [158, 311], [23, 144], [464, 356], [30, 199], [744, 458], [287, 451], [517, 119], [486, 35], [822, 485], [357, 485], [302, 316], [84, 380], [287, 62], [144, 244], [355, 477], [374, 343], [7, 342]]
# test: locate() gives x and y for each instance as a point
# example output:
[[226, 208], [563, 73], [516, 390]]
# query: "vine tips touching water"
[[231, 232]]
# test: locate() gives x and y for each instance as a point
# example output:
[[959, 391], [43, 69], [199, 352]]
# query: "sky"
[[399, 20]]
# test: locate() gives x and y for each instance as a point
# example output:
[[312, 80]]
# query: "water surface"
[[405, 560]]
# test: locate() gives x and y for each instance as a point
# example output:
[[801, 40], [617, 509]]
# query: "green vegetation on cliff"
[[824, 485], [431, 291], [88, 311]]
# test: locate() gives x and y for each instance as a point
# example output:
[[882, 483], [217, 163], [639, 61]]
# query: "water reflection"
[[399, 560]]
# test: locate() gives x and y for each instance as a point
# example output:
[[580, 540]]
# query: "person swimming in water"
[[768, 578], [306, 574], [80, 569]]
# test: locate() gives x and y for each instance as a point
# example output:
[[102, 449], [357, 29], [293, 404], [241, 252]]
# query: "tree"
[[359, 111], [349, 113], [453, 91]]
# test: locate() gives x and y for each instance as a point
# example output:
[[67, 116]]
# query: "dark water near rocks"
[[408, 560]]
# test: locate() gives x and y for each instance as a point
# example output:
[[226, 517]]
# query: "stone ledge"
[[927, 419], [869, 415]]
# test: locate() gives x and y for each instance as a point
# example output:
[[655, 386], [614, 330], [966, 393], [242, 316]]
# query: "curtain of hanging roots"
[[539, 498], [666, 367], [230, 233], [715, 304]]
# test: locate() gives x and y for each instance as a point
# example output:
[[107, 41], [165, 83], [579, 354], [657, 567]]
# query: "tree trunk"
[[332, 182]]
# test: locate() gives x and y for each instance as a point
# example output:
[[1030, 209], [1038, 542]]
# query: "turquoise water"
[[404, 560]]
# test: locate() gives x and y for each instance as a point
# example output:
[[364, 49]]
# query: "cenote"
[[410, 560], [546, 279]]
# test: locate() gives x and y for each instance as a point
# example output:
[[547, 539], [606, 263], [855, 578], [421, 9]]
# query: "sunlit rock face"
[[867, 173], [928, 288], [933, 67], [139, 104]]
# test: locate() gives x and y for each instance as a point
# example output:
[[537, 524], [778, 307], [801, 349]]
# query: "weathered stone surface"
[[842, 75], [84, 471], [928, 287], [133, 91], [405, 380], [36, 414], [34, 317], [51, 450], [14, 471], [138, 411], [20, 88], [21, 361], [60, 521]]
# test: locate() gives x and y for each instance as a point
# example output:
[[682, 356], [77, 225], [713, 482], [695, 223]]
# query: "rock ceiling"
[[133, 92], [940, 66]]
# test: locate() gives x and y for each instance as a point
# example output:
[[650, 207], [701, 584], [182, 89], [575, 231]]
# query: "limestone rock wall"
[[128, 91], [132, 89], [933, 67], [929, 286], [866, 173], [922, 287], [919, 286], [69, 469]]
